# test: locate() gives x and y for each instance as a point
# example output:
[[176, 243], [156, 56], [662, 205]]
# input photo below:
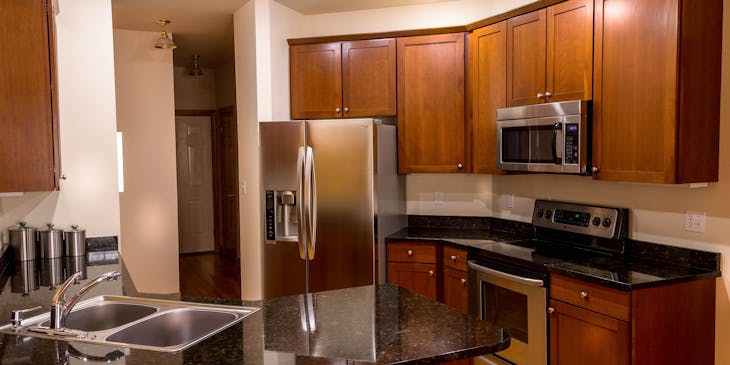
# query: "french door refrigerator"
[[331, 194]]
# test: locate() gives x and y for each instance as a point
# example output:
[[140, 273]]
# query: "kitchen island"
[[381, 324]]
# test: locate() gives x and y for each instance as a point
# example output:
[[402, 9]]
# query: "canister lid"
[[76, 228], [22, 226], [50, 228]]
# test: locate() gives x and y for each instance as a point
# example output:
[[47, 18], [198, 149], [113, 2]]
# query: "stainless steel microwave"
[[550, 137]]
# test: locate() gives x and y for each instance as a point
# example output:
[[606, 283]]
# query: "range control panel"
[[579, 218]]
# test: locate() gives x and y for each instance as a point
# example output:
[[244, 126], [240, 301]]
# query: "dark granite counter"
[[642, 265], [366, 325]]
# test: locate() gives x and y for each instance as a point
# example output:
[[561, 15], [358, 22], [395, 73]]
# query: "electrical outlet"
[[694, 221], [510, 200], [438, 198]]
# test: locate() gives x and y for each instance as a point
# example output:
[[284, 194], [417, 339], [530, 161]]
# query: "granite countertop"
[[381, 324], [642, 265]]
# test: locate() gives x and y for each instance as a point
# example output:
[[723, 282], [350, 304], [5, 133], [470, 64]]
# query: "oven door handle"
[[504, 275]]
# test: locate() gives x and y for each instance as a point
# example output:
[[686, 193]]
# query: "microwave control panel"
[[572, 138]]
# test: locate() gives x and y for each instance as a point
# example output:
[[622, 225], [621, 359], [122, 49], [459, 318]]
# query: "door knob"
[[430, 272], [410, 252], [337, 110], [548, 94], [540, 95], [463, 281], [453, 258], [551, 310], [584, 294], [459, 166], [595, 169], [347, 109]]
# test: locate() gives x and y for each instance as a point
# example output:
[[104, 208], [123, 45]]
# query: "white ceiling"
[[205, 27]]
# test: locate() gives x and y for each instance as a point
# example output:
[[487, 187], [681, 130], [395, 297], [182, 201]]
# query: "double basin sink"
[[149, 324]]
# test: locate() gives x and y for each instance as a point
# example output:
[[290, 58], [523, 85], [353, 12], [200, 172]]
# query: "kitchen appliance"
[[331, 193], [51, 242], [23, 242], [550, 137], [508, 281], [75, 241]]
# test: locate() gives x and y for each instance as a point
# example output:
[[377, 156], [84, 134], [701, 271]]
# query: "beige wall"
[[195, 92], [148, 205], [87, 121], [225, 81]]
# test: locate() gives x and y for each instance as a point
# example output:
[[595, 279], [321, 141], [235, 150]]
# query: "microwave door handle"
[[557, 127]]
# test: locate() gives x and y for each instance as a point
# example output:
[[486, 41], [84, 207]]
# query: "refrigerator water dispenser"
[[281, 216]]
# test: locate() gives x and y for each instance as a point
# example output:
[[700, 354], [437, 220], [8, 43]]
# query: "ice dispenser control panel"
[[281, 218], [270, 216]]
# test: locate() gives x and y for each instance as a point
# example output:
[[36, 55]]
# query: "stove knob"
[[596, 221], [607, 222], [539, 213], [548, 214]]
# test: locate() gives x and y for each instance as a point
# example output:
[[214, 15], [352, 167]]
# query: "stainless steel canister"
[[76, 241], [23, 242], [51, 242]]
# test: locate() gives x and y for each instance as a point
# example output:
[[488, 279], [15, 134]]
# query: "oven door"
[[516, 303], [530, 144]]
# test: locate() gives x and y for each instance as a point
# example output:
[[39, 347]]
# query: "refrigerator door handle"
[[301, 227], [310, 185]]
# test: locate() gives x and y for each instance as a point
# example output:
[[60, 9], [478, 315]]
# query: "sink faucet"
[[60, 307]]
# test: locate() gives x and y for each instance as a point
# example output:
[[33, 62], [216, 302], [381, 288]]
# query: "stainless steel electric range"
[[509, 280]]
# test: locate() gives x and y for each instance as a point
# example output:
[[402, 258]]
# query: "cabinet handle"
[[540, 95], [584, 294], [430, 272], [459, 166], [337, 110], [453, 258], [410, 252], [595, 169], [347, 109], [548, 94], [463, 281], [551, 310]]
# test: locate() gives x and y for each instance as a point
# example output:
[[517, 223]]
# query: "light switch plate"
[[694, 221], [510, 200], [438, 198]]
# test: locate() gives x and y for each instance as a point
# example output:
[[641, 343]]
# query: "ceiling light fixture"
[[196, 70], [164, 41]]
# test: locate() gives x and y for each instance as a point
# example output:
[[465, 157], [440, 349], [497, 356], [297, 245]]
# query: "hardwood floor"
[[209, 275]]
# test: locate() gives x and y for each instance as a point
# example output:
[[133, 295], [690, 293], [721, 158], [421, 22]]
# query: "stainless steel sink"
[[150, 324], [106, 315]]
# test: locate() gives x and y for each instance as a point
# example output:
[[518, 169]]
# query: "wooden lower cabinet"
[[456, 293], [579, 337], [419, 278]]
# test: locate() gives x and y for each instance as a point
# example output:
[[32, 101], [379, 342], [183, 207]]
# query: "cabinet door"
[[635, 104], [579, 337], [488, 82], [526, 47], [570, 51], [455, 289], [431, 125], [419, 278], [315, 81], [28, 124], [368, 78]]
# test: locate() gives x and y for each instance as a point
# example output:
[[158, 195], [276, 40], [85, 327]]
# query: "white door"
[[194, 183]]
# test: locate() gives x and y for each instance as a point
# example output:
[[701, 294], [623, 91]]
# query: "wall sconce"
[[164, 41], [196, 70]]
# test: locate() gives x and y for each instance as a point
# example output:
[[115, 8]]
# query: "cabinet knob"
[[463, 281], [548, 94], [540, 95], [410, 252], [595, 169], [430, 272], [346, 109], [337, 110], [551, 310], [453, 258], [584, 294], [459, 165]]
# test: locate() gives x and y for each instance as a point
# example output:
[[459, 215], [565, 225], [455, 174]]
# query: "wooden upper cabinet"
[[29, 158], [526, 44], [368, 78], [487, 93], [431, 124], [316, 81], [569, 73], [343, 80], [550, 54], [657, 90]]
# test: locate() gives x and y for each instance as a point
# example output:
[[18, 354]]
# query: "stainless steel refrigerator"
[[331, 193]]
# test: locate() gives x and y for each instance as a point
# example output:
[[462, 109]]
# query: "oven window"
[[508, 309], [528, 144]]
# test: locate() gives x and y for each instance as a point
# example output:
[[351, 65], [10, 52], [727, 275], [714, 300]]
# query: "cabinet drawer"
[[600, 299], [455, 258], [412, 252]]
